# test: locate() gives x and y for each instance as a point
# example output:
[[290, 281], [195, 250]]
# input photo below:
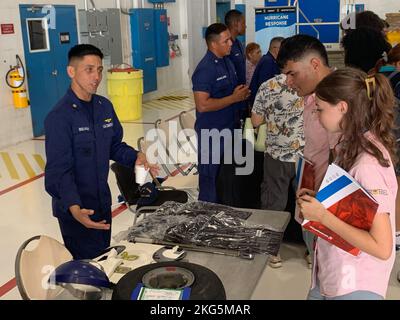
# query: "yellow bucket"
[[125, 90]]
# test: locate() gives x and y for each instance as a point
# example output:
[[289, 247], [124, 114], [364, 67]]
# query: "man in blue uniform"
[[218, 97], [267, 68], [82, 135], [236, 23]]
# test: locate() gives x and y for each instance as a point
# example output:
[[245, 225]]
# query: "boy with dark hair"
[[305, 62]]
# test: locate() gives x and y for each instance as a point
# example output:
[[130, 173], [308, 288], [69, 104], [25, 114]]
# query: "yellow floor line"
[[10, 166], [39, 161], [26, 165], [172, 104]]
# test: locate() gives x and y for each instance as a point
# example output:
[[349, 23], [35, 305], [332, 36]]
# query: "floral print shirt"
[[282, 109]]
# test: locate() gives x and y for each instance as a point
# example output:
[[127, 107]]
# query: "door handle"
[[55, 73]]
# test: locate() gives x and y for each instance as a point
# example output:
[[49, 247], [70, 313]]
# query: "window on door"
[[38, 35]]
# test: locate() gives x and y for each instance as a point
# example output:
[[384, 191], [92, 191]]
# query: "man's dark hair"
[[297, 47], [213, 31], [232, 16], [81, 50], [363, 47]]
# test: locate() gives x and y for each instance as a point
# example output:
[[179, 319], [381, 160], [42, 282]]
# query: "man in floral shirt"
[[282, 110]]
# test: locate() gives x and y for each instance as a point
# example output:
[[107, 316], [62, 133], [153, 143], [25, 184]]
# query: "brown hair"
[[250, 48], [374, 113], [392, 58]]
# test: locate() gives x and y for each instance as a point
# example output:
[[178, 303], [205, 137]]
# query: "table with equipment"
[[238, 274]]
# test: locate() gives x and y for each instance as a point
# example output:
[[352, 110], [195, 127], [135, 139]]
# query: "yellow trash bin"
[[125, 89]]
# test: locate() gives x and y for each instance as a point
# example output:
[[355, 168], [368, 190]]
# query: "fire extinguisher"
[[15, 79]]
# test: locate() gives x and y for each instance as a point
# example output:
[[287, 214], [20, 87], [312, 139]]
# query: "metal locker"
[[143, 46]]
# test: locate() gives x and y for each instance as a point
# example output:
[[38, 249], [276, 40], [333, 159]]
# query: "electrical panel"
[[144, 46], [114, 27], [162, 37], [102, 28]]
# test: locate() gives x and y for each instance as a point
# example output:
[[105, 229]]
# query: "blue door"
[[46, 56]]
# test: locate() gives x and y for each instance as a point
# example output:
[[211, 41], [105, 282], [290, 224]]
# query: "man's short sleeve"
[[203, 79]]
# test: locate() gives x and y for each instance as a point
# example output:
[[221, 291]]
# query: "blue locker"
[[144, 46], [161, 29]]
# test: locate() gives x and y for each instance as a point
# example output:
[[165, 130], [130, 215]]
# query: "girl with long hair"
[[361, 109]]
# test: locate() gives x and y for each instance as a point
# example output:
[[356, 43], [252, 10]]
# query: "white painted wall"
[[16, 125], [381, 7]]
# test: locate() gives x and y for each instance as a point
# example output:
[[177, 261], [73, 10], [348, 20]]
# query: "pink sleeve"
[[376, 179]]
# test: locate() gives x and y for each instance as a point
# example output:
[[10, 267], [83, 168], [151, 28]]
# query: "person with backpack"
[[389, 65]]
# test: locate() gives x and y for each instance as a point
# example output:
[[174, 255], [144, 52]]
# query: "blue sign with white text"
[[274, 22]]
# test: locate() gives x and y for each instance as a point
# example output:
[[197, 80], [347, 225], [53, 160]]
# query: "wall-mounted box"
[[101, 21], [103, 30], [161, 34]]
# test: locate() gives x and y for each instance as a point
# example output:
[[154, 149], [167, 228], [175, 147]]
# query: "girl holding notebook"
[[361, 109]]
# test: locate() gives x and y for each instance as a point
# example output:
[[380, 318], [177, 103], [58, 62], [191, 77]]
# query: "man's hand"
[[83, 216], [142, 161], [241, 93]]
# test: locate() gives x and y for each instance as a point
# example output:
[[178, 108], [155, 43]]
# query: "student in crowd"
[[281, 109], [218, 97], [360, 109], [368, 19], [304, 60], [253, 56], [266, 69], [389, 65], [363, 47]]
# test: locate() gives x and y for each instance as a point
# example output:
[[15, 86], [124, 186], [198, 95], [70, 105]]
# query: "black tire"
[[206, 286]]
